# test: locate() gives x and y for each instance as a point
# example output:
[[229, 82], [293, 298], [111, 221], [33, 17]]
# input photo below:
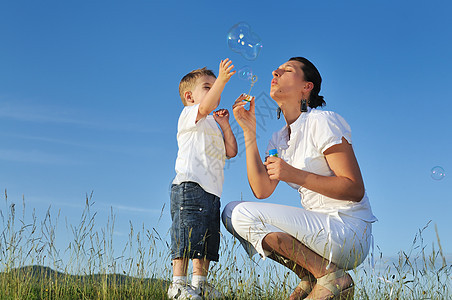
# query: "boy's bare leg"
[[200, 266], [180, 266], [180, 288], [199, 280]]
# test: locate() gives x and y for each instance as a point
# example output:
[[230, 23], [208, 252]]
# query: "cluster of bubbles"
[[243, 40], [437, 173]]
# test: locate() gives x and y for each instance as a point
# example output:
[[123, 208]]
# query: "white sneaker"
[[208, 291], [182, 292]]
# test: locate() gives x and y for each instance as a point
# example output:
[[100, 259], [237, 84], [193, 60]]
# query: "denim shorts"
[[195, 231]]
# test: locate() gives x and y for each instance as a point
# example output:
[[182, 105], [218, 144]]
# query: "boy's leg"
[[200, 271], [199, 280], [180, 267], [201, 267], [210, 230], [179, 289]]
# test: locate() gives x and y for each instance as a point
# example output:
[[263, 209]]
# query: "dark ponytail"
[[311, 74]]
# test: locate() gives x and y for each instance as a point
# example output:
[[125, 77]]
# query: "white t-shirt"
[[202, 154], [311, 134]]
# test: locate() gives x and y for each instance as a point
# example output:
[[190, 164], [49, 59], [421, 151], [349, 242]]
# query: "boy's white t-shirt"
[[202, 154]]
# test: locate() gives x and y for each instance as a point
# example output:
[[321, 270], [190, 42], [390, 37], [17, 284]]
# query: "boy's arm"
[[212, 98], [221, 116], [230, 143]]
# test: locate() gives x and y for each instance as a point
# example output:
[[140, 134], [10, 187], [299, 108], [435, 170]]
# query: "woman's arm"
[[260, 182], [347, 184]]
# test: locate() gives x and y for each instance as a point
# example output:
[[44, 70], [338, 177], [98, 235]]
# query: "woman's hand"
[[245, 118], [278, 169], [346, 184]]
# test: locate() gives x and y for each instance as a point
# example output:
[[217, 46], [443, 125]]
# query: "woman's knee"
[[226, 215]]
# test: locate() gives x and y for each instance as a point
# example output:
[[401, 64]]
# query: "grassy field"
[[32, 266]]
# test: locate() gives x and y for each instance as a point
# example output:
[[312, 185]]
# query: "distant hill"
[[39, 273]]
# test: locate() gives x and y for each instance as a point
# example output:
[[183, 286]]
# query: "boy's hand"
[[225, 72], [221, 116]]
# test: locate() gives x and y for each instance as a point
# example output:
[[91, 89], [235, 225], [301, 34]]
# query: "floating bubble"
[[245, 73], [242, 40], [438, 173]]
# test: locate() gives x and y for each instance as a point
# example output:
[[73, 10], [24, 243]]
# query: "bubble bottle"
[[273, 152]]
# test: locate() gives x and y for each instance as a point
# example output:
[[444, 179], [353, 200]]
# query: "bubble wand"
[[253, 81]]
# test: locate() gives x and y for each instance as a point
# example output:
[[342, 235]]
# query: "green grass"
[[38, 282], [33, 267]]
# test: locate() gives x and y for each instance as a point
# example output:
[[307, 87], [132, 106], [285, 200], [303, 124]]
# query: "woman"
[[331, 233]]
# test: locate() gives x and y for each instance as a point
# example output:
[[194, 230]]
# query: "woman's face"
[[288, 81]]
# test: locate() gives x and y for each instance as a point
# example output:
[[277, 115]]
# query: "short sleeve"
[[328, 130], [187, 119]]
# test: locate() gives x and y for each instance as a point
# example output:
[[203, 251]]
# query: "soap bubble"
[[242, 40], [245, 73], [438, 173]]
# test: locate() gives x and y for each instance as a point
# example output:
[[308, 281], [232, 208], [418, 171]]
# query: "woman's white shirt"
[[310, 136]]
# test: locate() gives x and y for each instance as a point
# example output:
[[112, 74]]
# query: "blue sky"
[[89, 101]]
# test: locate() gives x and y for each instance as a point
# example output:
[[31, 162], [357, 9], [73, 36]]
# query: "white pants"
[[341, 239]]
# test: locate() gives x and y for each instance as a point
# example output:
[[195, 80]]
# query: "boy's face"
[[202, 86]]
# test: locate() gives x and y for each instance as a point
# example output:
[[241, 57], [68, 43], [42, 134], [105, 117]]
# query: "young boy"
[[197, 187]]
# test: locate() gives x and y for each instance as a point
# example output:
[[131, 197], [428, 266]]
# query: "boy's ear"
[[188, 97]]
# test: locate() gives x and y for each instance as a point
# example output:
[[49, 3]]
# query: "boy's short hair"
[[188, 82]]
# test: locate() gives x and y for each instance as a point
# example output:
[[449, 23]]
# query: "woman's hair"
[[311, 74]]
